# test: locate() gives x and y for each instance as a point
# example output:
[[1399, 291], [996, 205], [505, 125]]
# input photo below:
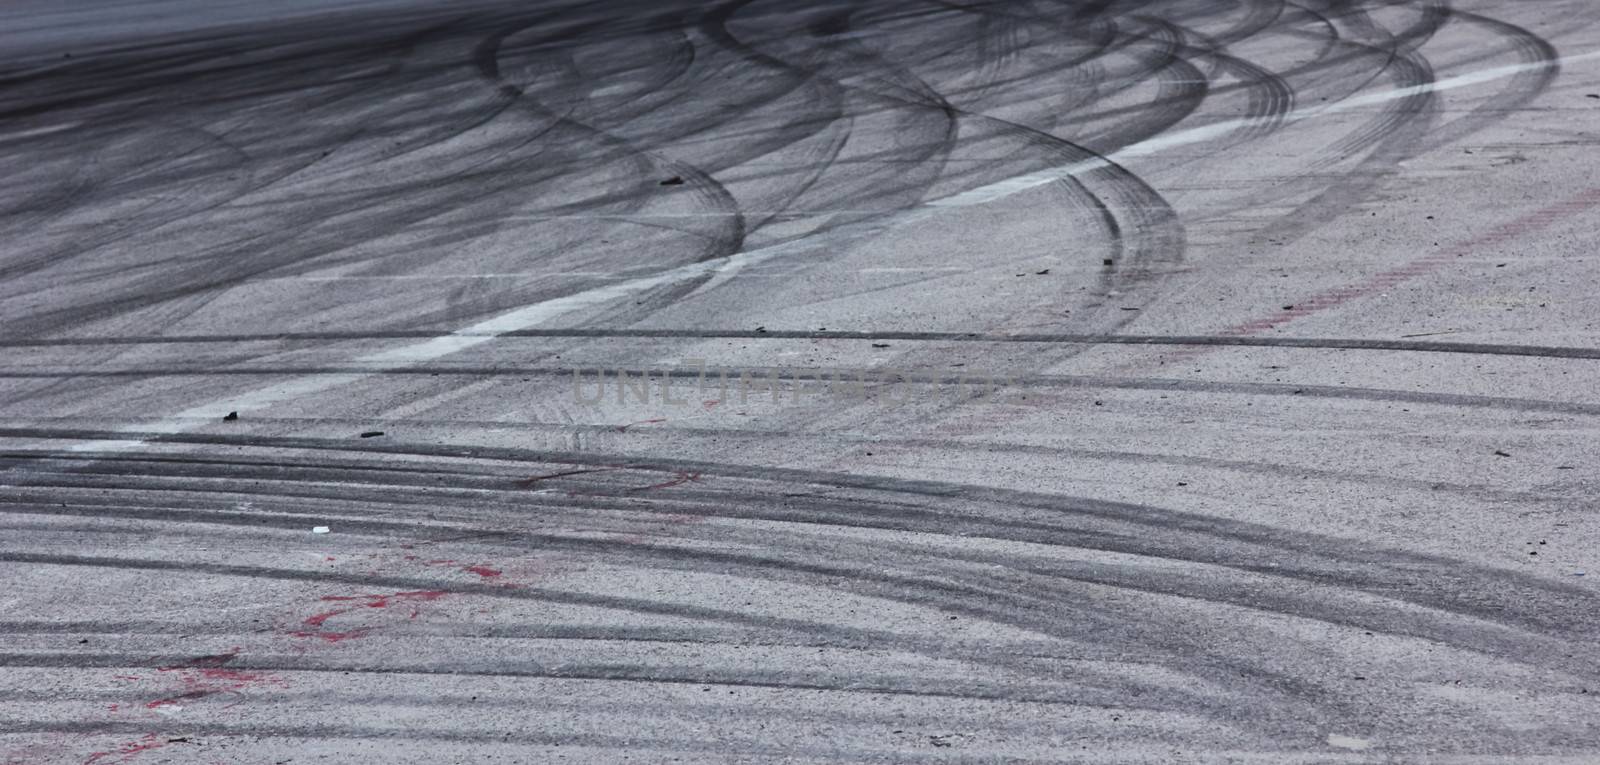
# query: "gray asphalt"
[[1157, 381]]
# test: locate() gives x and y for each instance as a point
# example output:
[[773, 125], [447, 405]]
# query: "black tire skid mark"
[[157, 466], [359, 483], [1080, 690], [1180, 90], [403, 46], [982, 601], [915, 685], [695, 714], [1397, 137], [1406, 68], [1173, 529], [1028, 381], [777, 84], [162, 77], [1269, 96], [1521, 90], [1245, 341], [726, 239], [1325, 59], [379, 200], [922, 146], [635, 554], [827, 513], [687, 742], [738, 506], [1077, 692], [1159, 242], [999, 589], [730, 228], [1388, 138], [808, 71], [998, 45], [699, 748], [1097, 33], [1157, 238], [114, 305], [825, 97]]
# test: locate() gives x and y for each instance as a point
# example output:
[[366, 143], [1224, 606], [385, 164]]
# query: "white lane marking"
[[442, 277], [539, 313], [432, 349], [1203, 133], [928, 269], [38, 131], [649, 216], [554, 274]]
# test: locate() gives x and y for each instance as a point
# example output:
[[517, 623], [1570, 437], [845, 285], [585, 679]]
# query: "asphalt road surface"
[[1166, 381]]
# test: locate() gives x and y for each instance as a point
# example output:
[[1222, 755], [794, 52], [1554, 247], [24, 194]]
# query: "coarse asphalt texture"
[[1100, 381]]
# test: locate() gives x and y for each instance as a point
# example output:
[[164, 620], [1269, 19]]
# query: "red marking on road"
[[316, 621], [624, 428], [206, 678], [331, 637], [177, 700], [480, 569], [128, 750], [213, 660], [528, 483], [680, 479], [1386, 280]]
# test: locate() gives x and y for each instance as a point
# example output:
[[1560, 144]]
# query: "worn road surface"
[[1162, 381]]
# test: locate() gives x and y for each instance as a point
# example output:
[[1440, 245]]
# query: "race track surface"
[[1164, 381]]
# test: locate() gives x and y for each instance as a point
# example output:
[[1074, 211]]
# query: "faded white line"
[[546, 311], [1204, 133], [618, 275], [38, 131]]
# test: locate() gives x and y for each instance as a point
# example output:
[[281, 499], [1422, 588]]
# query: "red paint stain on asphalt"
[[331, 637], [209, 661], [128, 750], [206, 676], [177, 700], [358, 602], [528, 483], [487, 572], [1386, 280], [682, 477]]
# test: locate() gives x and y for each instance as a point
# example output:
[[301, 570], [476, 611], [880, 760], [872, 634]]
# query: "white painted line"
[[1211, 132], [544, 312], [554, 274], [46, 130], [439, 277], [929, 269]]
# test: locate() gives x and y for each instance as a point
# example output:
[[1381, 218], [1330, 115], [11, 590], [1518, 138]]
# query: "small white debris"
[[1348, 742], [320, 530]]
